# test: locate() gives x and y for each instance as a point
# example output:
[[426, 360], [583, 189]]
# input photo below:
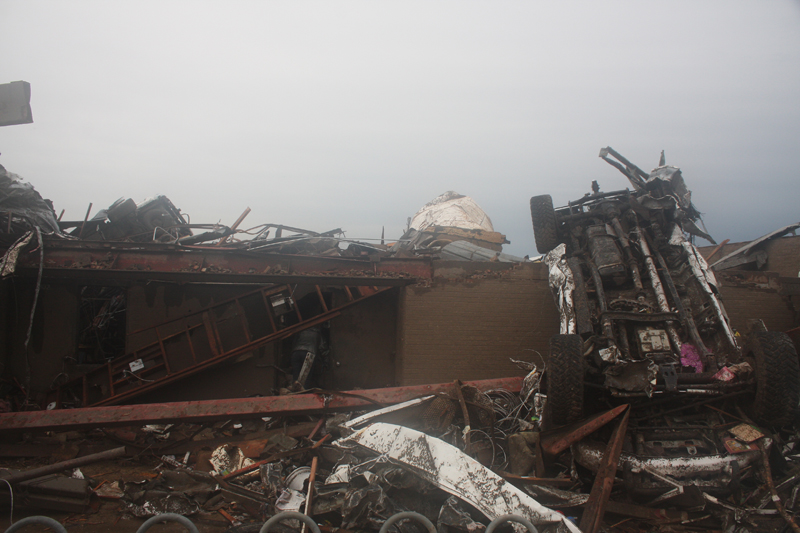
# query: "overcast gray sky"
[[355, 114]]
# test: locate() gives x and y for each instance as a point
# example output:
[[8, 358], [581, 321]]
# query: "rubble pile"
[[450, 219], [651, 412], [461, 458]]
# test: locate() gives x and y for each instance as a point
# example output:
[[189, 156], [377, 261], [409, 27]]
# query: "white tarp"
[[453, 210]]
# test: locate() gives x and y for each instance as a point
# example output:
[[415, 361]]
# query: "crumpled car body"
[[641, 313]]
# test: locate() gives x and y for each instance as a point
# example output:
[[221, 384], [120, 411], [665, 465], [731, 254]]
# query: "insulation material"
[[452, 209]]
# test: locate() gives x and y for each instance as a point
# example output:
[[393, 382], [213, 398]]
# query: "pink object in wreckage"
[[691, 357]]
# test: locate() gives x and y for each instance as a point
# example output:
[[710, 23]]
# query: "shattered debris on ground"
[[650, 414], [460, 458]]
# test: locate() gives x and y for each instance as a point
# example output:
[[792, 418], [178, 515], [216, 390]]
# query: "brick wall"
[[784, 254], [467, 324], [748, 295], [54, 333]]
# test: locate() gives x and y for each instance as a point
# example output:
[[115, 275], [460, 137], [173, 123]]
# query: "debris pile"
[[153, 220], [641, 312], [461, 458], [22, 209], [455, 227], [651, 413], [753, 255], [451, 225]]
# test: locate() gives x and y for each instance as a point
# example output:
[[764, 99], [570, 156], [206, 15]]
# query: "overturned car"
[[640, 309]]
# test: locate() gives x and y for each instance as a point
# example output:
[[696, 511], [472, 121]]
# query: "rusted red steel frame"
[[280, 334], [239, 408], [604, 480], [555, 443], [72, 259]]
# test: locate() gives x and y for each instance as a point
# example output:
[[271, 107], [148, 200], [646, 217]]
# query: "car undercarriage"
[[641, 313]]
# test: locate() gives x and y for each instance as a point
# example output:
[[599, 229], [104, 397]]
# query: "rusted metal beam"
[[557, 442], [533, 480], [604, 481], [239, 408], [130, 277], [25, 475], [196, 263]]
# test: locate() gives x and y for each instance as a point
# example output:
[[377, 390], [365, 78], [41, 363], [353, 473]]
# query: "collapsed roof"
[[22, 208]]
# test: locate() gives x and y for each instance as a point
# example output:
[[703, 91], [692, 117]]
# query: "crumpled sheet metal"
[[22, 200], [448, 468], [365, 419], [673, 176], [290, 500], [666, 203], [454, 210], [532, 381], [451, 515], [558, 497], [171, 492], [716, 469], [709, 283], [164, 503], [562, 283], [8, 263], [226, 459]]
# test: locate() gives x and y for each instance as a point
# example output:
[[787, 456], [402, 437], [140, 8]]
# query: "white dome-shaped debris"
[[453, 210]]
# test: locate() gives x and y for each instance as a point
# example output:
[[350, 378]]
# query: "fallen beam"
[[604, 481], [557, 442], [34, 473], [168, 262], [238, 408]]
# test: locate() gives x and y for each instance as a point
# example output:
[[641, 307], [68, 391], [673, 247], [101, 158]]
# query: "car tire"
[[777, 372], [545, 227], [565, 373]]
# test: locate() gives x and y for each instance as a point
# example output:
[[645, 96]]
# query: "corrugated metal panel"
[[467, 251]]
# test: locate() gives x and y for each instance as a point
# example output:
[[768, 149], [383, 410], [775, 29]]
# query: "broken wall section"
[[771, 292], [362, 342], [749, 295], [472, 318], [783, 254]]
